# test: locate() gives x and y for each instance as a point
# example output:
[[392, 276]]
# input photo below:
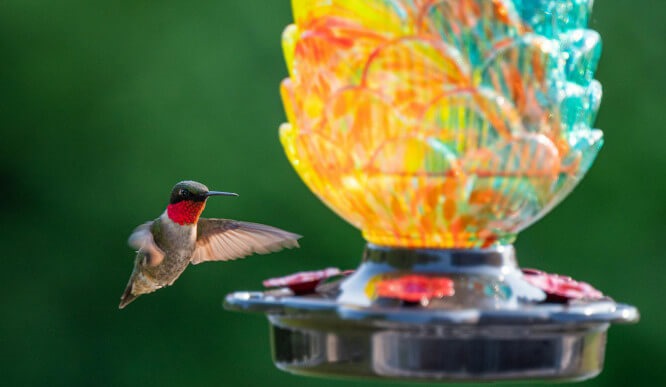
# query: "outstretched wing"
[[226, 239], [142, 240]]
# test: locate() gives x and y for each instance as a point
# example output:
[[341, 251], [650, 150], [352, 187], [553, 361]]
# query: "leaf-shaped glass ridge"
[[441, 123]]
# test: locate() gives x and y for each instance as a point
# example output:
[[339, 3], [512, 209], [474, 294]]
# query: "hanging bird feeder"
[[441, 129]]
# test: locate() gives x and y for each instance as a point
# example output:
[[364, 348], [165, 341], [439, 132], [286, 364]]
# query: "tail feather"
[[138, 284], [127, 296]]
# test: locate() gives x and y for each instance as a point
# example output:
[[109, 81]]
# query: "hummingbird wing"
[[142, 240], [226, 239]]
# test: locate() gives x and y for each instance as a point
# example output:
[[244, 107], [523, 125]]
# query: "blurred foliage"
[[105, 105]]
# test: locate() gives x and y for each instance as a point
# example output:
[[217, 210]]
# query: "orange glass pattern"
[[443, 124]]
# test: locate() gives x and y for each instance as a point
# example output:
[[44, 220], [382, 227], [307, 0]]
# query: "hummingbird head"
[[188, 199]]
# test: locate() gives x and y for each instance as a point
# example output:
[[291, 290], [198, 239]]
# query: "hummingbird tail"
[[127, 297]]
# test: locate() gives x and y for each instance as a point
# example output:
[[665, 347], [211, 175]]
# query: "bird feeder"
[[440, 129]]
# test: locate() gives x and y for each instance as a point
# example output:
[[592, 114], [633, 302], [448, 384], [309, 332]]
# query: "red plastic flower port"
[[304, 282], [415, 288], [560, 289]]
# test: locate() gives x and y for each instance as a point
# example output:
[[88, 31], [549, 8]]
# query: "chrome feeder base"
[[495, 327]]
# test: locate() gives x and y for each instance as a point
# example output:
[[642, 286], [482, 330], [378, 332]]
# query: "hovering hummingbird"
[[166, 245]]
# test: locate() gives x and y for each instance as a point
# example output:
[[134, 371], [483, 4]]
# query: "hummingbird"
[[179, 236]]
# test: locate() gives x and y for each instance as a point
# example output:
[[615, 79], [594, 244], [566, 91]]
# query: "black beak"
[[220, 193]]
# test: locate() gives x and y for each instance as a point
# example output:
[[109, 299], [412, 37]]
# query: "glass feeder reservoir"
[[440, 129]]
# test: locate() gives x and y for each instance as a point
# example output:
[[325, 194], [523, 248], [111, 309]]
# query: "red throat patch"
[[185, 212]]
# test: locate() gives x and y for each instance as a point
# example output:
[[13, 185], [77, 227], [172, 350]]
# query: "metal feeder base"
[[517, 339]]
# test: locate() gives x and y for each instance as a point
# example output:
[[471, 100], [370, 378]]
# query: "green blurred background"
[[105, 105]]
